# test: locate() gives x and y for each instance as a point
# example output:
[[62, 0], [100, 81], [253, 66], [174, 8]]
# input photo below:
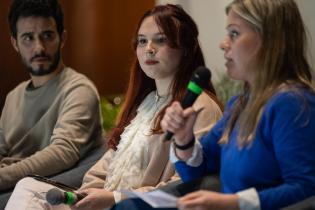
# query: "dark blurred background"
[[98, 43]]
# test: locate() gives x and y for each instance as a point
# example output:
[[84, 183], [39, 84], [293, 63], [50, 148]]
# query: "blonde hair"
[[280, 63]]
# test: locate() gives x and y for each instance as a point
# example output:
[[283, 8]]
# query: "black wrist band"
[[185, 146]]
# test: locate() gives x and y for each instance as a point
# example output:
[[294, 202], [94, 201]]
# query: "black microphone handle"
[[189, 99], [80, 196], [168, 135]]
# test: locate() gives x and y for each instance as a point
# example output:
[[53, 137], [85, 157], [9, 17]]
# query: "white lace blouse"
[[128, 165]]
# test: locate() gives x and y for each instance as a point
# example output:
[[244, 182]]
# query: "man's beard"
[[41, 71]]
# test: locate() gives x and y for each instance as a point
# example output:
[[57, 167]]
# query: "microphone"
[[55, 196], [199, 80]]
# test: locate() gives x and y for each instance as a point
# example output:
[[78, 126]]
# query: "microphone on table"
[[199, 80], [55, 196]]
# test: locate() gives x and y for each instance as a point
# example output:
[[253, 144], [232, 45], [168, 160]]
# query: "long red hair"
[[182, 33]]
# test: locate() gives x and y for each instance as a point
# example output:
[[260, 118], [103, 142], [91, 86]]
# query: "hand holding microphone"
[[91, 198], [198, 81], [55, 196]]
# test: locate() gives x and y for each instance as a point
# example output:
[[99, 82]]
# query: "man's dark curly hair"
[[37, 8]]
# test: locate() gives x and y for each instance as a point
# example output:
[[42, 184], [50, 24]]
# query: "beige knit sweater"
[[47, 130]]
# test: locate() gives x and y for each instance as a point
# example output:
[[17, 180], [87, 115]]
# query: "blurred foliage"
[[226, 87], [110, 106]]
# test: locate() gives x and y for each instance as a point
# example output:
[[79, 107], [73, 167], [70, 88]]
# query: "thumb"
[[84, 191], [191, 113]]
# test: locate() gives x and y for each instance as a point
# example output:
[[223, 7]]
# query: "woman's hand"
[[95, 199], [208, 200], [180, 122]]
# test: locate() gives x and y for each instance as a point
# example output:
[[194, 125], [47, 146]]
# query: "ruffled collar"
[[132, 156]]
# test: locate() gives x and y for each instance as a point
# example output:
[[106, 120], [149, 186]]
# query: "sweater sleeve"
[[78, 124], [292, 125], [95, 177], [3, 150], [3, 144]]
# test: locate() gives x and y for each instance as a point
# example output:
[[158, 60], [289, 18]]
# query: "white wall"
[[307, 8], [210, 18]]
